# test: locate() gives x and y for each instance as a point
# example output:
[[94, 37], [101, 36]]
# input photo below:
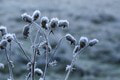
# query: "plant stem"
[[55, 50], [20, 46], [46, 64], [9, 65], [73, 61]]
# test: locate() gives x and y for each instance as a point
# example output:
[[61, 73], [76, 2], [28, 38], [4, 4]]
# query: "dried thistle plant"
[[44, 28]]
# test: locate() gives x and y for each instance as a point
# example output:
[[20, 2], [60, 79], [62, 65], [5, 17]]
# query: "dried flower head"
[[27, 18], [36, 15], [70, 38], [9, 37], [3, 44], [3, 30], [83, 42], [44, 22], [93, 42], [38, 71], [26, 31], [76, 49], [63, 23], [53, 24], [2, 66], [68, 67]]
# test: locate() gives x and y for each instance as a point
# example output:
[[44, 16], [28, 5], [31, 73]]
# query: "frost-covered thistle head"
[[9, 37], [3, 44], [44, 22], [54, 23], [26, 31], [83, 42], [93, 42], [70, 38], [76, 49], [27, 18], [38, 71], [3, 30], [63, 23], [36, 15]]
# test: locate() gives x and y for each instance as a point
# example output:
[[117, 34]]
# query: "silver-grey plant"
[[44, 29]]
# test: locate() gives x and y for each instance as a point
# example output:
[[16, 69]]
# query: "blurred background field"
[[91, 18]]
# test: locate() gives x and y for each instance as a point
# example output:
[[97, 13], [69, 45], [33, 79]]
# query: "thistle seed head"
[[70, 38], [93, 42], [36, 15], [27, 18], [83, 42], [26, 31], [76, 49], [44, 22], [9, 37], [38, 71], [3, 44], [54, 23], [3, 30], [63, 23]]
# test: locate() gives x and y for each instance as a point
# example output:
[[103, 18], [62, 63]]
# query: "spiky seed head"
[[70, 38], [3, 30], [63, 23], [2, 66], [38, 71], [83, 42], [27, 18], [26, 31], [9, 37], [54, 23], [44, 22], [93, 42], [76, 49], [3, 44], [36, 15]]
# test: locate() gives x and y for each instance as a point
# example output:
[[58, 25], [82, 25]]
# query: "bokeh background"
[[91, 18]]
